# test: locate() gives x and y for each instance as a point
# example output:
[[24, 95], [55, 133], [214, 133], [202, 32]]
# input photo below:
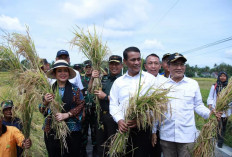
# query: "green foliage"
[[191, 70]]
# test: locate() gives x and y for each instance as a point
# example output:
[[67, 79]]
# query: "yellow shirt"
[[8, 142]]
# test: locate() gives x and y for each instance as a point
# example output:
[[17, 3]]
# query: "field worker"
[[221, 83], [152, 65], [124, 87], [64, 55], [10, 136], [178, 131], [90, 119], [109, 125], [165, 65], [9, 120]]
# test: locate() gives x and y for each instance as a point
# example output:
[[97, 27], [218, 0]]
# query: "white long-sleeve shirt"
[[179, 124], [124, 87], [212, 99]]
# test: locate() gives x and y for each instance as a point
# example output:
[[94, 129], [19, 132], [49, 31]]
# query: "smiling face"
[[62, 74], [223, 78], [177, 70], [133, 63], [7, 113], [153, 65], [88, 70], [115, 68]]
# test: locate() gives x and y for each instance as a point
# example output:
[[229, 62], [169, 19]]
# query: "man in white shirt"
[[124, 87], [64, 55], [178, 132], [152, 65]]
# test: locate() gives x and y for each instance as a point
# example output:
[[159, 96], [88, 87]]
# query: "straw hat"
[[58, 64]]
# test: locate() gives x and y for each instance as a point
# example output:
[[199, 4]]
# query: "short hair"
[[129, 49], [153, 55]]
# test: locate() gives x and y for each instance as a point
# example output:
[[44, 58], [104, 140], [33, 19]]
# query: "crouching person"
[[10, 136]]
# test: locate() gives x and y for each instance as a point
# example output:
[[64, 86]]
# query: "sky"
[[154, 26]]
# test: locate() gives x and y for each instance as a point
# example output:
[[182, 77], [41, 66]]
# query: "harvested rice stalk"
[[29, 80], [205, 143], [94, 50], [145, 109]]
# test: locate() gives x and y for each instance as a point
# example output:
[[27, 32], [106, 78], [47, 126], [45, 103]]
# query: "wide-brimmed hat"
[[58, 64]]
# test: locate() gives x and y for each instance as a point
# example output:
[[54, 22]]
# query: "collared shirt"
[[179, 124], [123, 88], [76, 80], [161, 79], [107, 82], [9, 140], [212, 99]]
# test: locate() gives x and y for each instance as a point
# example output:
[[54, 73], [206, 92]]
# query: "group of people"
[[174, 137]]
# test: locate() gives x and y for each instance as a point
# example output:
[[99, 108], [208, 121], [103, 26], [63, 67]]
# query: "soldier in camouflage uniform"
[[109, 125], [90, 119]]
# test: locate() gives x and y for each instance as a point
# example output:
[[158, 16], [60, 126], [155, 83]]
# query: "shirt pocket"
[[189, 99]]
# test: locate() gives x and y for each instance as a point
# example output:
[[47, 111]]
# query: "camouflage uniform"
[[90, 115]]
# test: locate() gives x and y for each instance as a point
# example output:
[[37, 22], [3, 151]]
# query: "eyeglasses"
[[177, 64]]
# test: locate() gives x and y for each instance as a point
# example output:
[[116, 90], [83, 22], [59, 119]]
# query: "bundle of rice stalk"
[[94, 50], [146, 109], [30, 81], [205, 143]]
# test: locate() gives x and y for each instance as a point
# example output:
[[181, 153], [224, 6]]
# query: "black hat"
[[62, 52], [87, 63], [6, 104], [173, 57], [166, 55], [77, 66], [115, 58]]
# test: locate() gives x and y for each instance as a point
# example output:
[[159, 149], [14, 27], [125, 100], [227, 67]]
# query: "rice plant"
[[205, 143], [145, 109], [93, 48], [29, 81]]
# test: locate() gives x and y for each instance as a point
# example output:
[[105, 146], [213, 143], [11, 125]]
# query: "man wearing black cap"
[[64, 55], [165, 65], [90, 119], [78, 67], [108, 125], [178, 131]]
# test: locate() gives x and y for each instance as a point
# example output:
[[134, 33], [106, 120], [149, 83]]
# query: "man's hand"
[[95, 74], [122, 126], [61, 116], [26, 143], [153, 139], [132, 123], [217, 114], [100, 94]]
